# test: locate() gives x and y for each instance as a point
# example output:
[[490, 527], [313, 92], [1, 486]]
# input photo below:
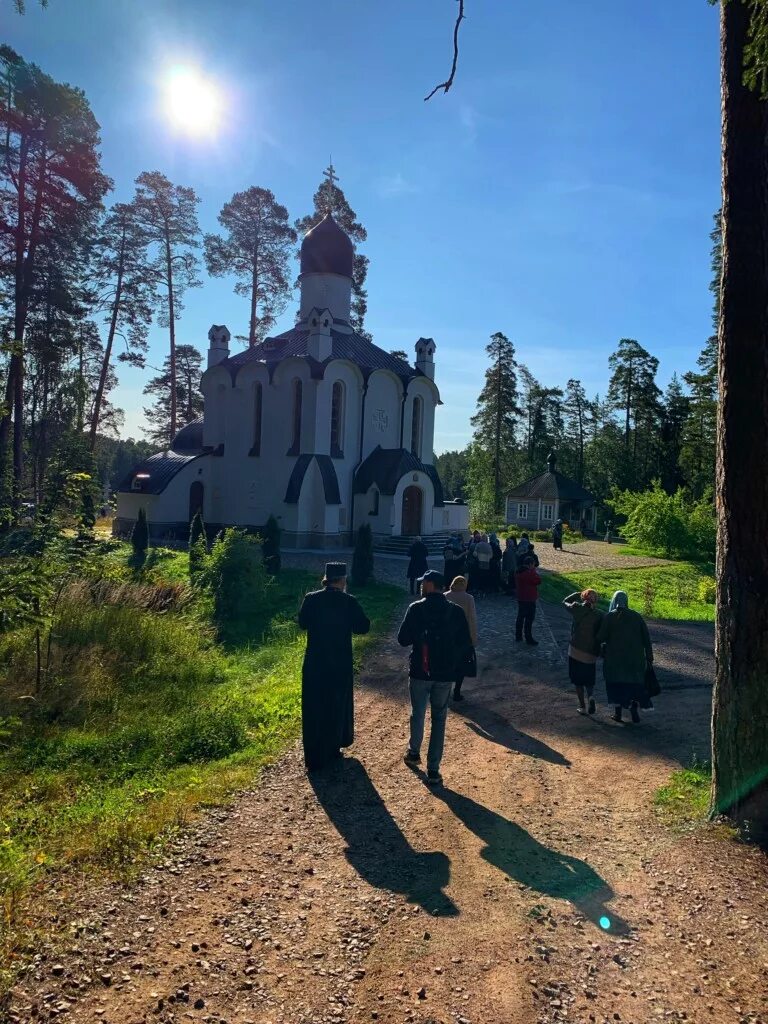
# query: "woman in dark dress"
[[417, 566], [627, 651], [330, 617]]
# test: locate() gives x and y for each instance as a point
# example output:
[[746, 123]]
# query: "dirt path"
[[535, 886]]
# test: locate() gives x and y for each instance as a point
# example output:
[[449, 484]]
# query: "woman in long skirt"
[[628, 653], [583, 648]]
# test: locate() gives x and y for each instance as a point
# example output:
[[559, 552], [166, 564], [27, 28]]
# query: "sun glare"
[[193, 103]]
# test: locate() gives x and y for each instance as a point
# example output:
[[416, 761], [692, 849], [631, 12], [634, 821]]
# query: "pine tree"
[[675, 410], [494, 422], [329, 198], [362, 558], [270, 546], [168, 215], [198, 545], [632, 391], [256, 250], [578, 413], [140, 537], [186, 397]]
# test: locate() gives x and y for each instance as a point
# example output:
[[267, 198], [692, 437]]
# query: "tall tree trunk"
[[740, 723], [497, 452], [254, 293], [172, 328], [108, 348]]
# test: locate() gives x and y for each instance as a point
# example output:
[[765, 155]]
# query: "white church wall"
[[352, 380], [422, 481], [421, 388], [326, 291], [216, 385], [380, 522], [167, 512], [450, 517], [382, 411]]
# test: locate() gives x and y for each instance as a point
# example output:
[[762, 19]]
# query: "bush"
[[270, 547], [236, 577], [140, 536], [673, 525], [362, 559], [198, 545]]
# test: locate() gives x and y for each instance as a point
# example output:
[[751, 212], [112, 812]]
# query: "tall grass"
[[144, 718]]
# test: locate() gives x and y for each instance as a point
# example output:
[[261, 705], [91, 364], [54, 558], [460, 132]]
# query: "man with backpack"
[[438, 635]]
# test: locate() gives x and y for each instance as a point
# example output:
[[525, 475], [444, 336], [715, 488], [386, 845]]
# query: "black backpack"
[[438, 651]]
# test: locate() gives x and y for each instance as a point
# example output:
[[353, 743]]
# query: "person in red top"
[[527, 585]]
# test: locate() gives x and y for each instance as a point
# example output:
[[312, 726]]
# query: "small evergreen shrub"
[[362, 559], [198, 545], [238, 581], [140, 536], [270, 546]]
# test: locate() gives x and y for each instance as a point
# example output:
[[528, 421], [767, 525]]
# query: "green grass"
[[146, 720], [679, 590], [684, 801]]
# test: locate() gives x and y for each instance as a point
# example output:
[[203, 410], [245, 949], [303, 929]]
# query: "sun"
[[193, 103]]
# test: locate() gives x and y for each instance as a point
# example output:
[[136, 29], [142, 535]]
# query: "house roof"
[[551, 485], [156, 472], [327, 249], [386, 467], [352, 346]]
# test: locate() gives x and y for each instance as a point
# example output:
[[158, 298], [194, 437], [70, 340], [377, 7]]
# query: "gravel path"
[[536, 886]]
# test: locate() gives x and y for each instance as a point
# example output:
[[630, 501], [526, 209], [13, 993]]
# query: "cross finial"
[[330, 172]]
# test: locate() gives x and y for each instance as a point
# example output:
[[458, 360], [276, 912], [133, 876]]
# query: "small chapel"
[[316, 426]]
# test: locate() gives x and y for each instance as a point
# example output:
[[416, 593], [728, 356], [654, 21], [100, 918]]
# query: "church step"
[[435, 544]]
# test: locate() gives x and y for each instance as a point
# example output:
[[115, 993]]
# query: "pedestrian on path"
[[438, 635], [583, 648], [457, 594], [557, 535], [627, 651], [330, 617], [527, 585], [418, 565], [509, 565]]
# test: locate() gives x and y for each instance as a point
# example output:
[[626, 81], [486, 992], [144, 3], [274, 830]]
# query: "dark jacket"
[[527, 585], [584, 625], [424, 615], [330, 617], [418, 564], [627, 647]]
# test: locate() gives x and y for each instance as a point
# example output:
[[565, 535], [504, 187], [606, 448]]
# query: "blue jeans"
[[438, 696]]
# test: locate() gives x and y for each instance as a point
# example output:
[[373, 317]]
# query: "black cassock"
[[330, 617]]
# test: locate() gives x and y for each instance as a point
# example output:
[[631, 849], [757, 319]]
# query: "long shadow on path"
[[490, 725], [376, 848], [515, 852]]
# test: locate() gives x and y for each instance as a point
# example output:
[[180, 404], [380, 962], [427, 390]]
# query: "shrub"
[[362, 559], [667, 524], [236, 577], [198, 545], [140, 536], [270, 547]]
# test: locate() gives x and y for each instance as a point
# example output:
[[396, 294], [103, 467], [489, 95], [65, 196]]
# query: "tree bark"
[[172, 328], [108, 349], [740, 721], [254, 292]]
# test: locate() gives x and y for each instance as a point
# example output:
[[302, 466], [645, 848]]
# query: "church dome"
[[327, 249], [189, 440]]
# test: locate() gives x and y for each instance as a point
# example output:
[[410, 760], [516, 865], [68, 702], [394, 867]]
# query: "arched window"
[[416, 427], [296, 435], [337, 420], [258, 398], [374, 503]]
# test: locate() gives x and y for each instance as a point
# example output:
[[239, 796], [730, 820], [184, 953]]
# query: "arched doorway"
[[412, 503], [196, 494]]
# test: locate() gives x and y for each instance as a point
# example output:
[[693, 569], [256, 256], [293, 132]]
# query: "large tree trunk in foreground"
[[740, 709]]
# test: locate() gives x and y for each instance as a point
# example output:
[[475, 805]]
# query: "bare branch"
[[445, 86]]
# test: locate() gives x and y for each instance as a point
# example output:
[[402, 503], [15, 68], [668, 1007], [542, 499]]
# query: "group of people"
[[487, 568], [441, 630]]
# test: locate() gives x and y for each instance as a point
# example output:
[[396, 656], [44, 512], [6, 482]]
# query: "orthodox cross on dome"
[[330, 173], [331, 177]]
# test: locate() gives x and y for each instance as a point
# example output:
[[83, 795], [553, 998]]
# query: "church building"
[[316, 426]]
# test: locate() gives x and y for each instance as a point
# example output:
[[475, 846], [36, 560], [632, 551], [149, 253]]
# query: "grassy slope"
[[188, 723], [679, 590]]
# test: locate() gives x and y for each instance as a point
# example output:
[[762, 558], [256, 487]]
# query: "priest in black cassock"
[[330, 617]]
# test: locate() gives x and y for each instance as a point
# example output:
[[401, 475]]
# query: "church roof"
[[189, 440], [551, 485], [386, 467], [156, 472], [327, 473], [353, 347], [327, 249]]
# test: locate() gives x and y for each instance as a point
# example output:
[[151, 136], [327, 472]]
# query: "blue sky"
[[562, 192]]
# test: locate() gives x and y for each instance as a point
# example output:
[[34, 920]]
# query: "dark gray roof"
[[189, 440], [386, 467], [327, 249], [551, 485], [160, 469], [327, 472], [343, 346]]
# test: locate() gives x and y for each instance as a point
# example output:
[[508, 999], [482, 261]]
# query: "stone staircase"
[[435, 543]]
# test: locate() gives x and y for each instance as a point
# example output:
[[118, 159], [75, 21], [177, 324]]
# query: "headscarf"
[[492, 538], [589, 597], [619, 600], [459, 583]]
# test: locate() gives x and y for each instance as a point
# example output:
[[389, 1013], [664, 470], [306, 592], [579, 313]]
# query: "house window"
[[296, 435], [522, 510], [416, 427], [374, 504], [548, 512], [258, 397], [337, 419]]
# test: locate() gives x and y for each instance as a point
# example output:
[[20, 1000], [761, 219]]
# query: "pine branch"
[[446, 85]]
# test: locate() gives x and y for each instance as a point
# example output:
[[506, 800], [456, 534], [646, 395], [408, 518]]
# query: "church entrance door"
[[196, 492], [412, 502]]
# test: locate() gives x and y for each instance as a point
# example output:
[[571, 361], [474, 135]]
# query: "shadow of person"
[[515, 852], [494, 727], [376, 848]]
